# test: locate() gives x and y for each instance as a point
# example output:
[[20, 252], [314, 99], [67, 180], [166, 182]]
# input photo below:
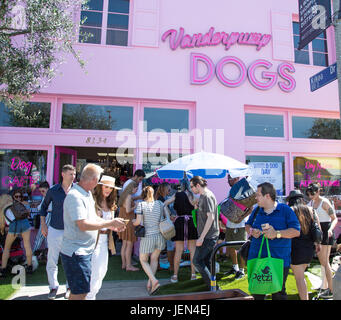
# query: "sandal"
[[174, 278], [155, 288], [194, 276]]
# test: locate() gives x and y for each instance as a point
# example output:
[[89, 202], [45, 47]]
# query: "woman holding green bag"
[[274, 226]]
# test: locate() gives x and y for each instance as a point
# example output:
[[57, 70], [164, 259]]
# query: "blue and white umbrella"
[[205, 164]]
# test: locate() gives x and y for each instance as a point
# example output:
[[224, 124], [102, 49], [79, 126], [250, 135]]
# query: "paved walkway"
[[110, 290]]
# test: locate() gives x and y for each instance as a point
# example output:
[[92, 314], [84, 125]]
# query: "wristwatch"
[[278, 234]]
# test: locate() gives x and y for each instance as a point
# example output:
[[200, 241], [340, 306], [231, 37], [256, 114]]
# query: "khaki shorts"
[[235, 234]]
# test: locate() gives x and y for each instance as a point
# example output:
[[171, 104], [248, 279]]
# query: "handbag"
[[242, 192], [166, 226], [265, 275], [240, 201], [244, 250], [140, 230]]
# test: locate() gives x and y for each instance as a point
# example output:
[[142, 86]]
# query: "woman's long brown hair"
[[162, 190], [110, 200], [304, 216]]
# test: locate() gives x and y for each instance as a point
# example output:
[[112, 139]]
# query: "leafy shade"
[[34, 37], [325, 129]]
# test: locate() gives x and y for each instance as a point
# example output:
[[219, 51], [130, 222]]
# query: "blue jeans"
[[202, 259], [78, 272]]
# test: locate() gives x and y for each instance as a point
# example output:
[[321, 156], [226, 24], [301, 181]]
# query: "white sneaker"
[[174, 279]]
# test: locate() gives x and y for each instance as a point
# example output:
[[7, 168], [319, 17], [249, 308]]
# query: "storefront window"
[[153, 161], [264, 125], [22, 169], [96, 117], [322, 170], [166, 119], [315, 128], [33, 115], [268, 169]]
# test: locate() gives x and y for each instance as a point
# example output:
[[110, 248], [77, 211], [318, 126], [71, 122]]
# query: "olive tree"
[[35, 35]]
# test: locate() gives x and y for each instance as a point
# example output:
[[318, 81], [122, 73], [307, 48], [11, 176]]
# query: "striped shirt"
[[151, 212]]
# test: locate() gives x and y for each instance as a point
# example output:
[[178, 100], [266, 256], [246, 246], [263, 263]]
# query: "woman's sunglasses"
[[17, 197], [310, 192]]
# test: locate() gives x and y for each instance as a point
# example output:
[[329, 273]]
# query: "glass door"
[[63, 156]]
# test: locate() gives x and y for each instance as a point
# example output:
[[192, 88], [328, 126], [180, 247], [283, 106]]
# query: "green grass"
[[39, 276], [184, 285], [6, 290], [227, 282]]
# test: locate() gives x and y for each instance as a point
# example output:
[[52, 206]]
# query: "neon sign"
[[156, 180], [212, 38], [316, 169], [17, 163], [270, 78]]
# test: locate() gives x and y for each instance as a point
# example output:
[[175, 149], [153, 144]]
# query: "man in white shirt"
[[139, 175], [81, 225]]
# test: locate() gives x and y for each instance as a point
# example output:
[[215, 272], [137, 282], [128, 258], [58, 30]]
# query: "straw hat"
[[109, 182]]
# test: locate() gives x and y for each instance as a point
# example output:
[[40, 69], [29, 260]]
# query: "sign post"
[[337, 25], [324, 77]]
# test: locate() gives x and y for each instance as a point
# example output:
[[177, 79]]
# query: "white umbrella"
[[205, 164]]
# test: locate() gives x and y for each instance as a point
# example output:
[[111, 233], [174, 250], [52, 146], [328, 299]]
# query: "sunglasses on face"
[[17, 197], [310, 192]]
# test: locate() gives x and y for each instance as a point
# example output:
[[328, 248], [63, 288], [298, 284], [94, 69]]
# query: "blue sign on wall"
[[324, 77]]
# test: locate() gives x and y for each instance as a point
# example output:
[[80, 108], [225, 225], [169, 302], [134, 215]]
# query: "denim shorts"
[[78, 272], [19, 226]]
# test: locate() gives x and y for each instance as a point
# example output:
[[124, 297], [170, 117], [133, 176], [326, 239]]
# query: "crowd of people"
[[78, 222]]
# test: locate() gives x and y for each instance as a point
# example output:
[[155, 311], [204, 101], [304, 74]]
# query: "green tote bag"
[[265, 275]]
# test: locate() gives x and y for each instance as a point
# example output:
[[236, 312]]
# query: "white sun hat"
[[109, 182]]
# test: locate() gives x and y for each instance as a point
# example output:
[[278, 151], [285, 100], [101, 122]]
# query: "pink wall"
[[151, 70]]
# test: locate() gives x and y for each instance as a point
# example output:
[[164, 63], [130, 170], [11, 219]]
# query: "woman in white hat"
[[105, 196]]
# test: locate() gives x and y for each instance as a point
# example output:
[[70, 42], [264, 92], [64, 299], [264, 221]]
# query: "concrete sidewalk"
[[110, 290]]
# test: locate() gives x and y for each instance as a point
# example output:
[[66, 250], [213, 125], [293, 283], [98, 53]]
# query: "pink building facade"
[[168, 78]]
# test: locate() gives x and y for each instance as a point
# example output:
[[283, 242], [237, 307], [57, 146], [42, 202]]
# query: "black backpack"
[[20, 212]]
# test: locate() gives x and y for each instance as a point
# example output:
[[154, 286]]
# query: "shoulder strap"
[[254, 216]]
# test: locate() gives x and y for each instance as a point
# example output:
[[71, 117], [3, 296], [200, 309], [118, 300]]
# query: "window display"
[[267, 169], [322, 170], [22, 169]]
